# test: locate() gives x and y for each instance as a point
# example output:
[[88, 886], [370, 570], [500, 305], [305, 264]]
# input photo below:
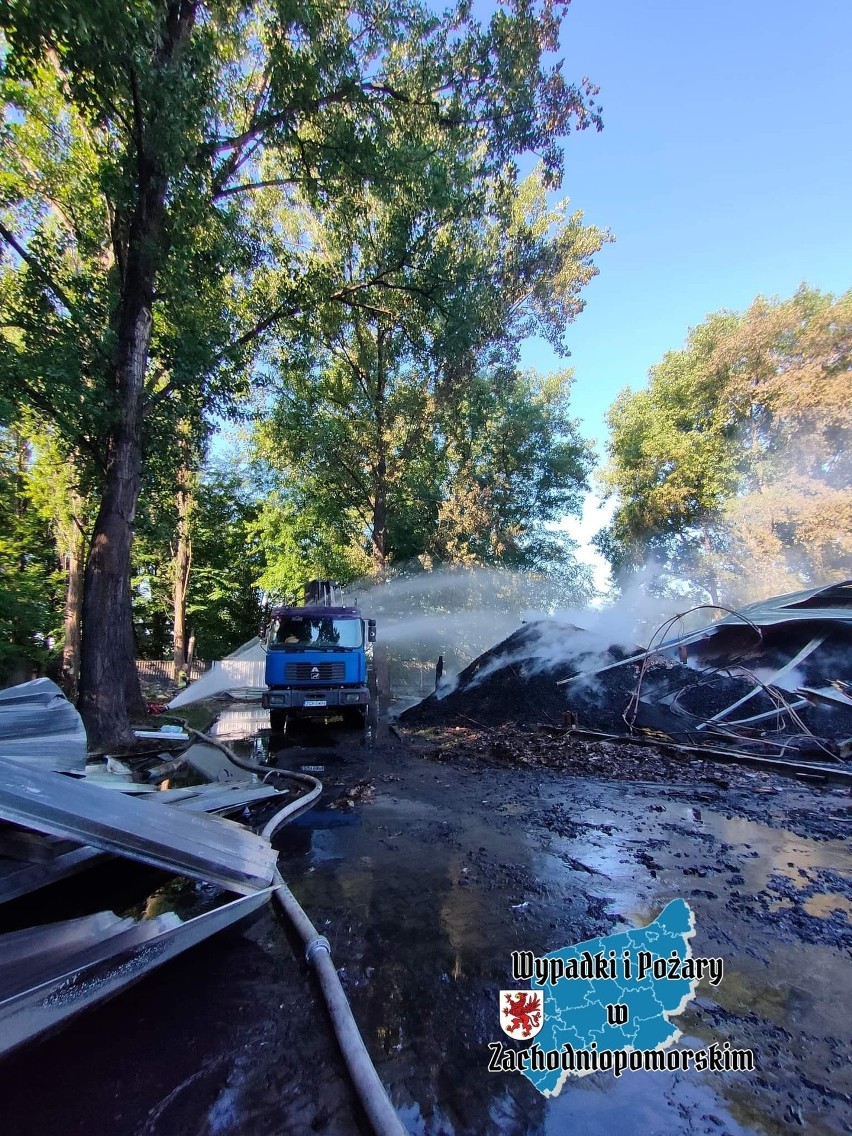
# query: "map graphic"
[[575, 1012]]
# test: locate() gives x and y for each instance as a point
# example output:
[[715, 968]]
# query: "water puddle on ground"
[[427, 889]]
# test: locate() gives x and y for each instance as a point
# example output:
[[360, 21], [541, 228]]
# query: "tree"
[[30, 583], [225, 604], [732, 469], [146, 144], [383, 405], [515, 461], [56, 486], [673, 464]]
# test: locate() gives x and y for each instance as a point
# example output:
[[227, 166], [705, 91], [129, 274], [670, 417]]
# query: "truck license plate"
[[315, 702]]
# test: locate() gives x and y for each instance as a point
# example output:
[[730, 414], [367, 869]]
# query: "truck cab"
[[316, 663]]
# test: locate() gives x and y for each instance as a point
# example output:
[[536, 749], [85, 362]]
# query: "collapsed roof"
[[774, 677]]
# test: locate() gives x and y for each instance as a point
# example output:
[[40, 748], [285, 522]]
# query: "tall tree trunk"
[[109, 683], [380, 482], [73, 615], [380, 517], [182, 566]]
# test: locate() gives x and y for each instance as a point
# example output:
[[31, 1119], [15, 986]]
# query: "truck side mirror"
[[371, 630]]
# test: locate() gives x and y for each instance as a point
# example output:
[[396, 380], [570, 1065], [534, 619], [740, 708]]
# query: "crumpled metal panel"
[[193, 844], [57, 971], [830, 602], [39, 726]]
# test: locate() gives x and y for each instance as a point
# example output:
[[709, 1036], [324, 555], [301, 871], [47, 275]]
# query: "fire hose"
[[365, 1080]]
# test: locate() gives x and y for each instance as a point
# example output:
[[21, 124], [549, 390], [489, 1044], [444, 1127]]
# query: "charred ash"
[[772, 679]]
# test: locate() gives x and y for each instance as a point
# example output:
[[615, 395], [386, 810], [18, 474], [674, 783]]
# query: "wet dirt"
[[438, 860]]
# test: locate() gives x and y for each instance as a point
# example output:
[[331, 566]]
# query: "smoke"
[[793, 530], [791, 681], [458, 614], [788, 528]]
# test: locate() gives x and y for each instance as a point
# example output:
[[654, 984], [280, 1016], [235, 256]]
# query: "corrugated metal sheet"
[[48, 974], [195, 845], [39, 726], [831, 602], [18, 878]]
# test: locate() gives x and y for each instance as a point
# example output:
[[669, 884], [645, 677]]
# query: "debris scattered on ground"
[[568, 753], [771, 680], [198, 846], [359, 794], [454, 864], [164, 733], [53, 826], [49, 973]]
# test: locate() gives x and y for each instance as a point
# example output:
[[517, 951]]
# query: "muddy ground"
[[429, 859]]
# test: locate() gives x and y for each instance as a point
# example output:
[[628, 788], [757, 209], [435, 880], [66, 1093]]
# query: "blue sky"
[[723, 171]]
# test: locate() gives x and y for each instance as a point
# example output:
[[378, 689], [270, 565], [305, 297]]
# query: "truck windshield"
[[298, 632]]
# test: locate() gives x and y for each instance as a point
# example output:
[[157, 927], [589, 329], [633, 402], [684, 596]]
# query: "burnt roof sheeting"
[[772, 680], [39, 726], [831, 602], [48, 974], [18, 879], [203, 847]]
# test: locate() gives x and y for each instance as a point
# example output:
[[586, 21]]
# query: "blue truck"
[[316, 660]]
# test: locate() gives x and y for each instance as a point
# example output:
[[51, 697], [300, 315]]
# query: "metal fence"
[[163, 670]]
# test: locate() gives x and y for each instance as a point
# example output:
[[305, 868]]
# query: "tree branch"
[[264, 123], [231, 165], [43, 275], [138, 121], [48, 407], [356, 479], [249, 186], [354, 367]]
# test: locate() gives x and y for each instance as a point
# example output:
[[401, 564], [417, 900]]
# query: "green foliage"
[[514, 461], [164, 168], [732, 468], [30, 583], [310, 540], [224, 604], [236, 115], [401, 425]]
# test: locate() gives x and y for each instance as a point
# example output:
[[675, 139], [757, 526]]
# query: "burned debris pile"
[[773, 679], [515, 682], [560, 751]]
